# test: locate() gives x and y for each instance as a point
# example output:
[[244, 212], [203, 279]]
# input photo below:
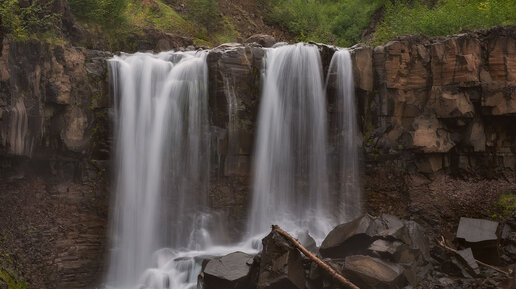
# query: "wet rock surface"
[[231, 271]]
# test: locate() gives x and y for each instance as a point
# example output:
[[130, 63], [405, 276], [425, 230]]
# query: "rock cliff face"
[[436, 116], [53, 151]]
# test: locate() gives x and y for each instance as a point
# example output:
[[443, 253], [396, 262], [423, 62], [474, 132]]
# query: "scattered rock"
[[281, 265], [466, 256], [230, 271], [477, 230], [349, 238], [368, 272], [480, 235]]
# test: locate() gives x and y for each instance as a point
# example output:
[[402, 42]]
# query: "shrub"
[[23, 22], [446, 17], [204, 12], [105, 12], [339, 22]]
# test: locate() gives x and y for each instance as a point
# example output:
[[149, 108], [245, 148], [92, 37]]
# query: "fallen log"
[[341, 279]]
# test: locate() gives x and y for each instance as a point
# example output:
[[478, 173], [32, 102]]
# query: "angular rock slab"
[[481, 236], [230, 271], [477, 230], [467, 258], [372, 273], [281, 266], [350, 238]]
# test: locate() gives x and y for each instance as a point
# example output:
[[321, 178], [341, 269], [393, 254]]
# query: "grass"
[[341, 22], [506, 203], [446, 17], [12, 282]]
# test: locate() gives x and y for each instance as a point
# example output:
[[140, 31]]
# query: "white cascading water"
[[340, 74], [160, 220], [290, 169], [161, 180]]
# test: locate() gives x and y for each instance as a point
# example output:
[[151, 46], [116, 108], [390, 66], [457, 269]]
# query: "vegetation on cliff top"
[[339, 22], [342, 22]]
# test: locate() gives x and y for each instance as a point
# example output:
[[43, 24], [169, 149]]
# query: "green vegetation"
[[120, 19], [29, 21], [507, 203], [12, 282], [446, 17], [339, 22], [342, 22], [105, 12]]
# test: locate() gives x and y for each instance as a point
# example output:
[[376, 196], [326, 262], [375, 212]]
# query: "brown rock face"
[[429, 109], [439, 96], [53, 149]]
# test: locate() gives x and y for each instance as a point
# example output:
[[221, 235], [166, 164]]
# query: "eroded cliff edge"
[[436, 115]]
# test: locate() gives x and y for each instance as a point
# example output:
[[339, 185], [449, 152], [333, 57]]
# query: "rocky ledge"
[[373, 253]]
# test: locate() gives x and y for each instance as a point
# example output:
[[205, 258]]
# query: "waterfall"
[[162, 148], [160, 219], [340, 78], [290, 167]]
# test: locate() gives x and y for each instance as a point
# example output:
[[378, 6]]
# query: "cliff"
[[436, 115]]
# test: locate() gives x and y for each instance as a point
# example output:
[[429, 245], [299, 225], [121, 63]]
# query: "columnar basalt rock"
[[429, 109], [54, 148]]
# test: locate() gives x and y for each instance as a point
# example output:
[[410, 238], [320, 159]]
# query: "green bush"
[[204, 12], [105, 12], [446, 17], [338, 22], [23, 22]]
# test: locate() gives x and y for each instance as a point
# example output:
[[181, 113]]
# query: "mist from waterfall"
[[162, 152], [290, 180], [348, 141]]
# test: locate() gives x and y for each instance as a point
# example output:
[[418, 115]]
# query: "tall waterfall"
[[290, 166], [340, 78], [160, 216], [161, 155]]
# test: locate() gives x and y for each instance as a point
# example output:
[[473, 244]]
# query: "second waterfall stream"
[[161, 225]]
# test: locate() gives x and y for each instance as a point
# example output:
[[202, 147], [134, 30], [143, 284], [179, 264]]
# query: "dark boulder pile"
[[376, 253]]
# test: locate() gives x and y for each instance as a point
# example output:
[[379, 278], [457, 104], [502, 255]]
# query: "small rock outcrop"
[[281, 264], [231, 271], [263, 39]]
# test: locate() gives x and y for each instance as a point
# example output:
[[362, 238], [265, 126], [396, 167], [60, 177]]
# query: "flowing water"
[[340, 76], [290, 170], [161, 155], [160, 220]]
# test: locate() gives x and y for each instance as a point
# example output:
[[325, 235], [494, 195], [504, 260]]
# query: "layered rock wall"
[[54, 147], [436, 115]]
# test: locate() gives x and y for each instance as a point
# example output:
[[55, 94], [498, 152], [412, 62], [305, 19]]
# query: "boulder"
[[229, 272], [481, 236], [350, 238], [262, 39], [368, 272], [477, 230], [307, 241], [281, 266], [466, 256]]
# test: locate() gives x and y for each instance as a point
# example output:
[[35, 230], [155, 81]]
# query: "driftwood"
[[442, 243], [345, 282]]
